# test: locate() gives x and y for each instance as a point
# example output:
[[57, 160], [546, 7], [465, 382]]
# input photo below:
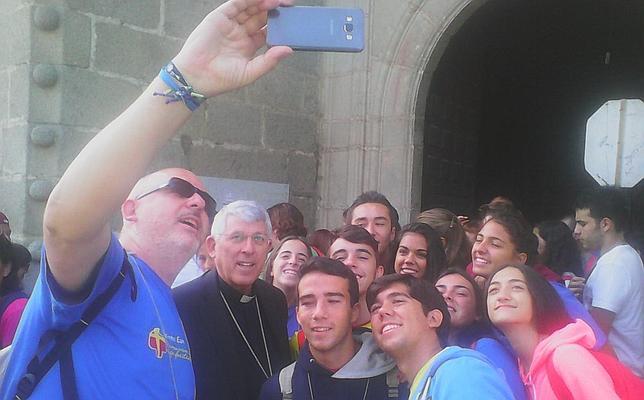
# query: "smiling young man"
[[409, 320], [235, 322], [375, 213], [358, 250], [335, 363]]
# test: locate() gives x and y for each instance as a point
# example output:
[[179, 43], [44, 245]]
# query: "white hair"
[[246, 210]]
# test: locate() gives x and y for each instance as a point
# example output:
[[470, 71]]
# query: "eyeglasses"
[[239, 237], [185, 189]]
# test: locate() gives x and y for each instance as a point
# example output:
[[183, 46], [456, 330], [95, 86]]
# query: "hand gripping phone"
[[316, 28]]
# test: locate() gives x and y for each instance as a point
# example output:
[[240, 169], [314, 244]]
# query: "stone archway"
[[371, 136]]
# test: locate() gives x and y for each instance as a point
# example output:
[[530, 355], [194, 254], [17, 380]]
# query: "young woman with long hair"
[[420, 252], [282, 271], [549, 345]]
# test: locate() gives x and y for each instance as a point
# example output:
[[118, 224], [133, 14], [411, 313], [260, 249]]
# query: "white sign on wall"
[[225, 191], [614, 153]]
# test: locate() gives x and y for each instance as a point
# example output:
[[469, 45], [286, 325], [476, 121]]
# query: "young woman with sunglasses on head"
[[420, 252], [470, 329], [550, 347], [453, 237], [282, 271]]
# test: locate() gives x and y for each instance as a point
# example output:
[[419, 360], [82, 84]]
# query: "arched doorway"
[[507, 101]]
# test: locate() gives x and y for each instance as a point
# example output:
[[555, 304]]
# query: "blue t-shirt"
[[132, 350]]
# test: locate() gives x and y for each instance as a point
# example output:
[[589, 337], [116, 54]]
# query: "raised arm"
[[218, 56]]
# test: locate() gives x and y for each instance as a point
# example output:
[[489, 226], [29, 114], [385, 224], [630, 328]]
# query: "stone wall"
[[69, 67], [374, 104]]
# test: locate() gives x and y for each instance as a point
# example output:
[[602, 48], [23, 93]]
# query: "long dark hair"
[[548, 310], [519, 231], [447, 225], [436, 258], [19, 257], [561, 253], [479, 304], [287, 220]]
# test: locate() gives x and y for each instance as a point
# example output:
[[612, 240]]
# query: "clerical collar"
[[232, 294]]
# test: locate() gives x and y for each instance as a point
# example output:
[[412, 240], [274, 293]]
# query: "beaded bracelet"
[[179, 88]]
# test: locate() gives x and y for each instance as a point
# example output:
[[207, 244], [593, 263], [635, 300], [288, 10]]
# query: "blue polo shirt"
[[133, 349]]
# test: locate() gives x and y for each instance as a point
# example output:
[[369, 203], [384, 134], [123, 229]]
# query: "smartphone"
[[316, 28]]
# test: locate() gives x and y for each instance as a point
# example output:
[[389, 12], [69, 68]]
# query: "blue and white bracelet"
[[179, 90]]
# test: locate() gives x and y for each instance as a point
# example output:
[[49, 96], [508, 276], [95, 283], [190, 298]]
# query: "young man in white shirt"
[[614, 292]]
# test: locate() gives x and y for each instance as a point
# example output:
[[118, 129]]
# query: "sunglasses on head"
[[186, 189]]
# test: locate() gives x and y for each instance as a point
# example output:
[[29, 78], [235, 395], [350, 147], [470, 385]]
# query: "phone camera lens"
[[348, 28]]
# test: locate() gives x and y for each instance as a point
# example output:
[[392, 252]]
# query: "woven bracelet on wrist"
[[179, 90]]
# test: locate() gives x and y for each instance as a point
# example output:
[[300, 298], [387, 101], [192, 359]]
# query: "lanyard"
[[364, 396], [261, 326]]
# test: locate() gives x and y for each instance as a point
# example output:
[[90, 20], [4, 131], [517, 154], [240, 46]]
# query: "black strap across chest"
[[62, 350]]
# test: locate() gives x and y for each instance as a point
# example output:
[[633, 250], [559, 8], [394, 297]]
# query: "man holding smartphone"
[[166, 216]]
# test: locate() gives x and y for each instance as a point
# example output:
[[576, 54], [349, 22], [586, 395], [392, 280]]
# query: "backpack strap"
[[392, 383], [558, 385], [62, 349], [286, 381]]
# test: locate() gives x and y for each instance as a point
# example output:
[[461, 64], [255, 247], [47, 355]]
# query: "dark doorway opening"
[[508, 102]]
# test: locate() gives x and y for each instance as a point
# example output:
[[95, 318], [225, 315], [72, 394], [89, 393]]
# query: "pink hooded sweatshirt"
[[568, 348]]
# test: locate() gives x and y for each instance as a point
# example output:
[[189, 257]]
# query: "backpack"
[[627, 385], [286, 382]]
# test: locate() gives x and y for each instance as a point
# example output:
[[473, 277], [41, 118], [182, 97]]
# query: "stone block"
[[34, 212], [281, 90], [411, 50], [69, 44], [333, 178], [15, 27], [302, 174], [18, 93], [307, 205], [388, 17], [311, 102], [286, 131], [396, 131], [305, 62], [67, 147], [343, 97], [395, 171], [8, 6], [14, 200], [335, 64], [182, 17], [225, 162], [196, 127], [90, 100], [171, 155], [14, 151], [443, 10], [4, 94], [124, 51], [143, 13], [396, 100], [329, 217], [234, 123]]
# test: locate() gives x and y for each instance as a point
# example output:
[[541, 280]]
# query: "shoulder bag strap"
[[37, 369], [558, 385]]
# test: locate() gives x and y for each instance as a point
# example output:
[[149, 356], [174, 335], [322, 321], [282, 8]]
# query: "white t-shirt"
[[189, 272], [617, 284]]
